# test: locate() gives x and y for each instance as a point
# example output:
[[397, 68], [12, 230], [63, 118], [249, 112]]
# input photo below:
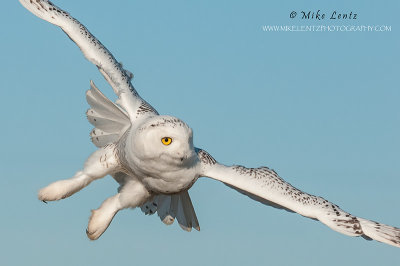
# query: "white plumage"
[[153, 159], [109, 120]]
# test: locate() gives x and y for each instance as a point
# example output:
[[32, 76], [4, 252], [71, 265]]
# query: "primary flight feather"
[[153, 159]]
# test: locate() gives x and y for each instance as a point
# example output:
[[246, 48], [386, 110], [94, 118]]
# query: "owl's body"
[[161, 169], [153, 158]]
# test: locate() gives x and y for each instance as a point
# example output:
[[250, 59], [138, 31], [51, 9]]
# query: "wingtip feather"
[[381, 232]]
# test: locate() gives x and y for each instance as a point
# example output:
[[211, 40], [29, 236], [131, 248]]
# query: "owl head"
[[164, 140]]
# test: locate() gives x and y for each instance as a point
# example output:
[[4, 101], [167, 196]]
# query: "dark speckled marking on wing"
[[96, 43], [93, 50], [145, 108], [264, 185], [269, 178], [334, 217], [205, 157]]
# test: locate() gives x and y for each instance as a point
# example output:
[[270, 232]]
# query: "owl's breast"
[[169, 184], [161, 176]]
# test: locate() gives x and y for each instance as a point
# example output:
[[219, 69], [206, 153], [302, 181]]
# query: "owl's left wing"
[[265, 186], [95, 52]]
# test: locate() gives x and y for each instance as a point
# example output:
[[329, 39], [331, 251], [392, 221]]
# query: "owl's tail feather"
[[110, 121], [173, 206]]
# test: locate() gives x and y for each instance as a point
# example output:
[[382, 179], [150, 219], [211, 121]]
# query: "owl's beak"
[[188, 156]]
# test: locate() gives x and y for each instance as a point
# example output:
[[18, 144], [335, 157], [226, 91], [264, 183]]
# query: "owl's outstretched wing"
[[95, 52], [109, 120], [264, 185]]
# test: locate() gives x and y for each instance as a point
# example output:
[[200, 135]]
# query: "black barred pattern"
[[172, 122], [145, 108], [205, 157], [263, 171], [268, 178], [125, 75], [55, 11], [389, 232], [351, 222]]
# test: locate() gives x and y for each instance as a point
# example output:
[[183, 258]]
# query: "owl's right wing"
[[95, 52], [264, 185], [109, 120]]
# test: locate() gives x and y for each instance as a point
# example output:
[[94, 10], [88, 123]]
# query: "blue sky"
[[321, 108]]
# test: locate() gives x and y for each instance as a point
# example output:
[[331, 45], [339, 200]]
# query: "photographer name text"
[[319, 15]]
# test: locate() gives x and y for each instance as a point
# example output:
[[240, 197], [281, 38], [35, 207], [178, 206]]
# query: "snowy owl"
[[153, 159]]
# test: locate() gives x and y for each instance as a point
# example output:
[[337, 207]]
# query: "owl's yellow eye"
[[166, 140]]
